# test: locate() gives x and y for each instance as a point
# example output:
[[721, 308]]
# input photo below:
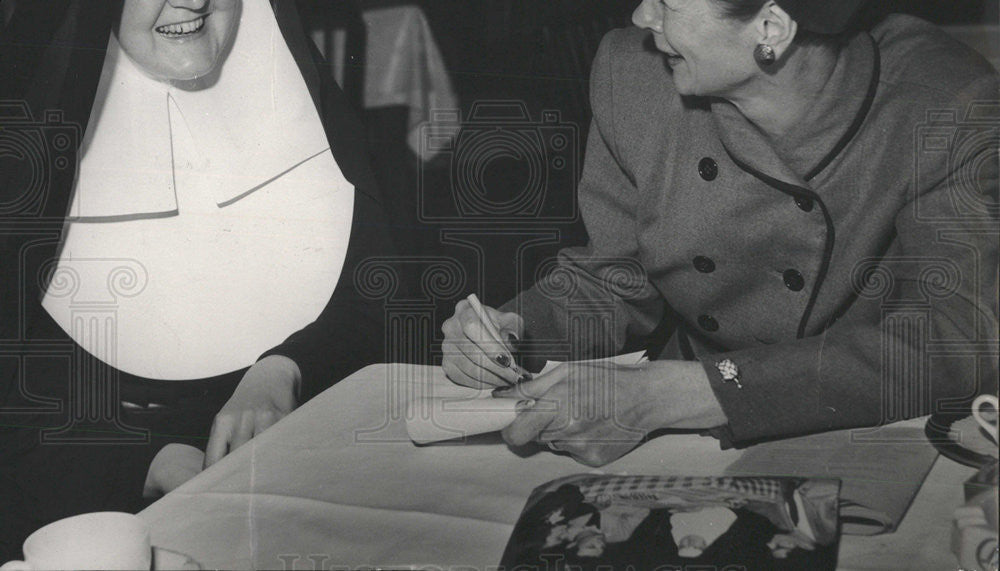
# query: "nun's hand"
[[267, 393], [597, 412], [469, 351]]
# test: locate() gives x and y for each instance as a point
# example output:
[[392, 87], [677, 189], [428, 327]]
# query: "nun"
[[178, 274]]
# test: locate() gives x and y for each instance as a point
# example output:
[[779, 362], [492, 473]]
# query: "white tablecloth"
[[403, 67], [338, 483]]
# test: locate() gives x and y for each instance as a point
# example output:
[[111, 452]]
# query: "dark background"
[[497, 46]]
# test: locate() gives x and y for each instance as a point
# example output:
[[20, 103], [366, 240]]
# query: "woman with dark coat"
[[185, 199], [804, 210]]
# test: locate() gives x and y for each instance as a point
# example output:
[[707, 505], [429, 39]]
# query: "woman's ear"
[[776, 28]]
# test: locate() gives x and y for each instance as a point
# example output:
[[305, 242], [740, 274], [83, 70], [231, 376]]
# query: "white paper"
[[457, 412]]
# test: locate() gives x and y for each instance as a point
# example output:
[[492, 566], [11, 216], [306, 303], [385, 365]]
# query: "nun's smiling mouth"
[[182, 29]]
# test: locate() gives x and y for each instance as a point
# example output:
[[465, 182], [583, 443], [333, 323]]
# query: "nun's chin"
[[179, 46], [180, 73], [185, 58], [191, 71]]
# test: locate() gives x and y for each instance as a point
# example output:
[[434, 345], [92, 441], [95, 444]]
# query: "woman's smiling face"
[[708, 53], [178, 40]]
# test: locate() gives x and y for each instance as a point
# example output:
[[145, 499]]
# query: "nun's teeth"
[[182, 28]]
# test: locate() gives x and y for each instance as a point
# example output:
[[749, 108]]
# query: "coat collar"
[[853, 85]]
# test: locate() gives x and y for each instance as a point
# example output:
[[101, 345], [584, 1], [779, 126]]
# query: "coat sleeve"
[[595, 297], [921, 334]]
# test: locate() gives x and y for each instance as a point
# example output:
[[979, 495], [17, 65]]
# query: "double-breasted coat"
[[857, 291]]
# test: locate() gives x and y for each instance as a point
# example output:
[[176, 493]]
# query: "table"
[[339, 484]]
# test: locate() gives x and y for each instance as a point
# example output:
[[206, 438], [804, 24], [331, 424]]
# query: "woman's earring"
[[764, 54]]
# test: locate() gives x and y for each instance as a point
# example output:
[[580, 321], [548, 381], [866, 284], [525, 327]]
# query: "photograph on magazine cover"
[[669, 522]]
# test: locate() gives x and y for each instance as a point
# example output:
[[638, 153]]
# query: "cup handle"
[[989, 427], [16, 566]]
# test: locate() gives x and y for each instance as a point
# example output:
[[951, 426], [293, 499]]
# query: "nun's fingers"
[[218, 439]]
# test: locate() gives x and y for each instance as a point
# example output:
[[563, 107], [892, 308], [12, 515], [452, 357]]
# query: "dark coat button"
[[708, 323], [704, 265], [708, 168], [804, 202], [794, 280]]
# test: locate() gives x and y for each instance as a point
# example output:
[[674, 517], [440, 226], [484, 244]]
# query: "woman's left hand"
[[267, 393], [599, 412]]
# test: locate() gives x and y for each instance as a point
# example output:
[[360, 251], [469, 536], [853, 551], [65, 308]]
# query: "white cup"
[[103, 540], [989, 424]]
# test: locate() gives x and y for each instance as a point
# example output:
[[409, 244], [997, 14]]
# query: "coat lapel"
[[749, 148]]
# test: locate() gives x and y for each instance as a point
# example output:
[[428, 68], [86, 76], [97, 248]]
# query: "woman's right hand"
[[469, 351]]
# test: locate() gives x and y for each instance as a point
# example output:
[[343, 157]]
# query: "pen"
[[504, 359]]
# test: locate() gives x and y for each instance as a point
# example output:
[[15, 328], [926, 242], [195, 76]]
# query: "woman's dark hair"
[[817, 21], [745, 10], [742, 10]]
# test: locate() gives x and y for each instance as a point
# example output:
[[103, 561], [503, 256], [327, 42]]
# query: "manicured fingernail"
[[512, 338], [501, 391], [503, 360]]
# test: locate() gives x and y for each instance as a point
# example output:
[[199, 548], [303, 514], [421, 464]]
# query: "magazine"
[[880, 471], [676, 523]]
